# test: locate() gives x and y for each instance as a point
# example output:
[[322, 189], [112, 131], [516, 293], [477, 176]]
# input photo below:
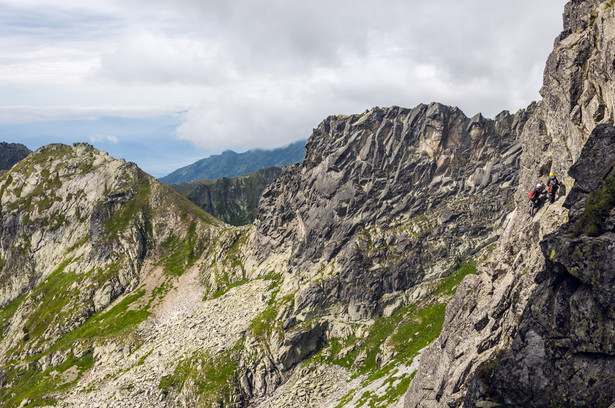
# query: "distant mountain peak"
[[12, 153], [232, 164]]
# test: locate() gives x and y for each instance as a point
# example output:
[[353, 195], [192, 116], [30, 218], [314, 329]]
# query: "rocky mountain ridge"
[[386, 183], [81, 233], [92, 245]]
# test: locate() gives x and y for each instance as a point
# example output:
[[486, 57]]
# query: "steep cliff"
[[232, 200], [486, 314], [392, 197], [563, 353]]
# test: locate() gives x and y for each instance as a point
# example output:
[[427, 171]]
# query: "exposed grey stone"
[[557, 347], [385, 169], [563, 354]]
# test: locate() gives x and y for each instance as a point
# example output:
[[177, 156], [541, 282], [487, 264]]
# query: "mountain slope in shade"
[[11, 153], [232, 200], [231, 164]]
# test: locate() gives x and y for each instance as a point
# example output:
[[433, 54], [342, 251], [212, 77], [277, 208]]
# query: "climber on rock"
[[536, 198], [552, 186]]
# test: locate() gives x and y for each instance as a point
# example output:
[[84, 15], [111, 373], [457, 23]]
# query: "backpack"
[[532, 195]]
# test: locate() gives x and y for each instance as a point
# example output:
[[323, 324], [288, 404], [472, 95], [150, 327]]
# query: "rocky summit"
[[396, 266], [390, 198]]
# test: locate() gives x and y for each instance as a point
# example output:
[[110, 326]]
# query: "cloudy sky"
[[165, 83]]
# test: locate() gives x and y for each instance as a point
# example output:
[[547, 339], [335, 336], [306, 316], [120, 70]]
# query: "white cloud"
[[97, 138], [156, 57], [266, 115], [50, 65], [480, 56], [262, 73], [30, 114]]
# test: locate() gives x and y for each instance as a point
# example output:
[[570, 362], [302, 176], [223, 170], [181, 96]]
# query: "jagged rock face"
[[11, 153], [484, 317], [577, 14], [564, 354], [392, 197], [577, 94], [232, 200], [383, 201]]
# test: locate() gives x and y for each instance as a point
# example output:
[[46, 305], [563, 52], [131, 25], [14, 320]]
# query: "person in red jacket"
[[536, 196]]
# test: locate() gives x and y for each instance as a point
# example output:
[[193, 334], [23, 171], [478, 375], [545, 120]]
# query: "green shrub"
[[598, 205]]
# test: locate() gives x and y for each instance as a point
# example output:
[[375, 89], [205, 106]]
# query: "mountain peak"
[[231, 164], [12, 153]]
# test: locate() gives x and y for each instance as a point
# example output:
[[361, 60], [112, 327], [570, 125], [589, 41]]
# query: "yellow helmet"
[[550, 174]]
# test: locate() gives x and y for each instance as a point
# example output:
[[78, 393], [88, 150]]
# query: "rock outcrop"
[[577, 96], [392, 197], [563, 353], [232, 200]]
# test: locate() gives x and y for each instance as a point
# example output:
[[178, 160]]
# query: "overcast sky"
[[201, 76]]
